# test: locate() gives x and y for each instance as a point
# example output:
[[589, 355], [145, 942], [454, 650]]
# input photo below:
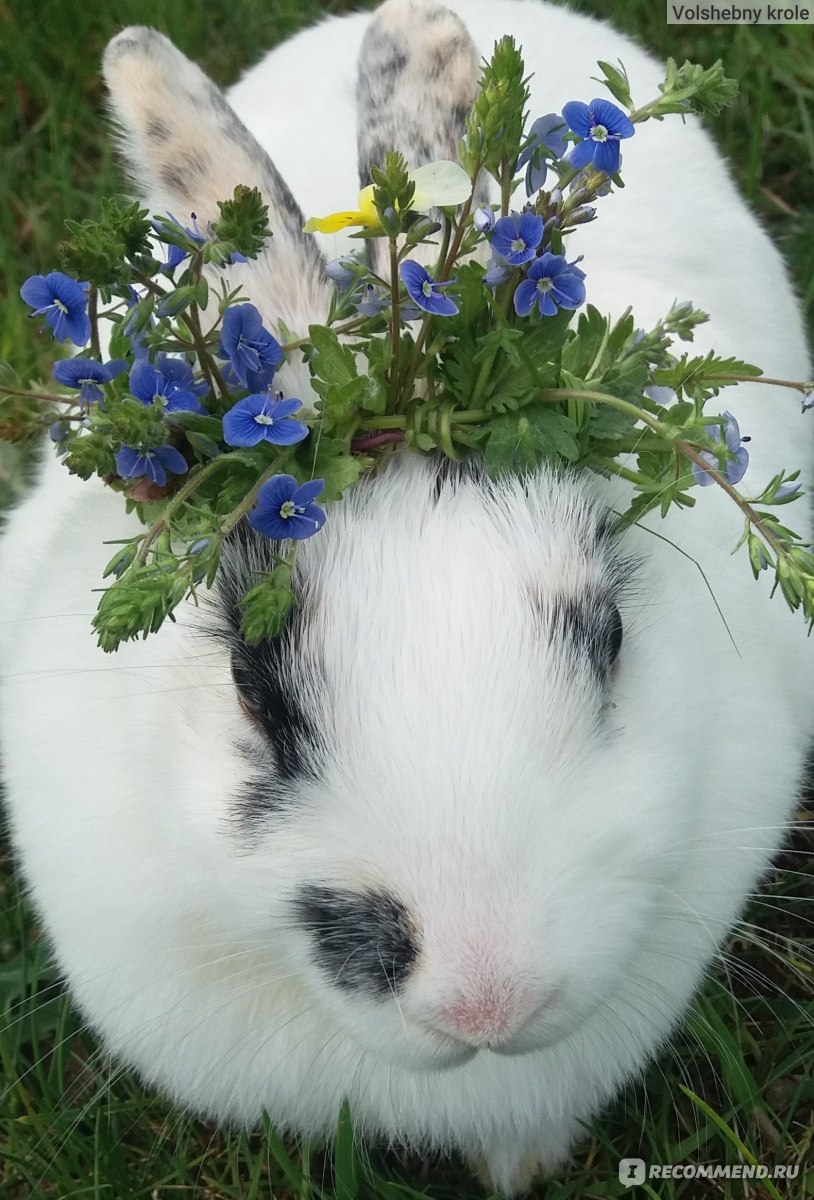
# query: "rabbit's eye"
[[614, 635], [244, 693]]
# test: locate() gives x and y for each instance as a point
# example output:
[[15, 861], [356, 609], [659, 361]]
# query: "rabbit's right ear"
[[187, 150]]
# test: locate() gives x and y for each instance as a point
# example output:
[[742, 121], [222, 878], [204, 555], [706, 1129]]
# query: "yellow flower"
[[440, 184]]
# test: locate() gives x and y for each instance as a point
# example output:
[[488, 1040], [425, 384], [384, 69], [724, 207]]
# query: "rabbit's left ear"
[[187, 150]]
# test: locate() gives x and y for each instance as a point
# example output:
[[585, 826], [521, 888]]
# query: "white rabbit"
[[468, 860]]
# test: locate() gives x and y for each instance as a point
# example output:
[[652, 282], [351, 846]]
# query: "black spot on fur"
[[363, 941], [271, 678], [591, 627], [175, 181], [157, 130], [194, 165]]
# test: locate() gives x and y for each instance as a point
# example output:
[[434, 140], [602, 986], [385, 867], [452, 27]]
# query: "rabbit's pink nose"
[[490, 1015]]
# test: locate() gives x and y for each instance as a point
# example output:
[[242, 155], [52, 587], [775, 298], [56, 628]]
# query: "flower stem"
[[245, 504], [93, 313], [7, 391], [208, 365], [395, 326], [347, 327], [175, 503], [685, 448]]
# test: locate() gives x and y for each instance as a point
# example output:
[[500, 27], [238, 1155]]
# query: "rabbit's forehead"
[[445, 632]]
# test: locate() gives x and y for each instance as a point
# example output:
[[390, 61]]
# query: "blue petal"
[[305, 525], [577, 117], [551, 130], [37, 293], [736, 470], [284, 408], [535, 177], [702, 477], [569, 291], [172, 459], [414, 277], [146, 382], [308, 491], [582, 154], [612, 117], [606, 157], [732, 433], [67, 291], [548, 308], [176, 370], [525, 297], [129, 462], [531, 229], [285, 432], [154, 468], [240, 427], [276, 491], [70, 371], [180, 401]]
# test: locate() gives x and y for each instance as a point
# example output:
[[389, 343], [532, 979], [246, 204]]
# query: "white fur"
[[471, 774]]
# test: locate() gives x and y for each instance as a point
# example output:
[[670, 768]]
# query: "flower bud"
[[483, 219]]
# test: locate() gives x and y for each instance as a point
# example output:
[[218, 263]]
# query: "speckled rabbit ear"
[[187, 150], [416, 82]]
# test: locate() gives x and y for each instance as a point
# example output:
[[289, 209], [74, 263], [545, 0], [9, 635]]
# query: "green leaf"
[[616, 81], [519, 441], [345, 1157], [266, 606], [580, 356], [90, 454], [608, 424], [704, 375], [329, 458], [202, 445], [242, 224]]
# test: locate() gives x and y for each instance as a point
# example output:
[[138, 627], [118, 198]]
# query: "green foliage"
[[692, 88], [266, 606], [102, 251], [242, 227], [494, 127], [704, 375]]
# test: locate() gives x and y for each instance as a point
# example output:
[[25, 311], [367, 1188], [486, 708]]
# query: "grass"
[[737, 1083]]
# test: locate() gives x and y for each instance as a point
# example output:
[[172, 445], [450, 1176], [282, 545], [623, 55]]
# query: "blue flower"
[[483, 219], [424, 291], [601, 125], [175, 254], [337, 271], [517, 237], [547, 133], [787, 490], [132, 463], [735, 467], [552, 283], [253, 353], [285, 509], [168, 383], [88, 376], [263, 417], [64, 303], [808, 401], [498, 271], [371, 303], [133, 335]]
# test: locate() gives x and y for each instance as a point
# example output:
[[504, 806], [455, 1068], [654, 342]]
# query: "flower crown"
[[464, 358]]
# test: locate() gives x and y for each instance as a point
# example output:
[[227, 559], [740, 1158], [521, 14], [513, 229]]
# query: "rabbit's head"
[[424, 815], [420, 821]]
